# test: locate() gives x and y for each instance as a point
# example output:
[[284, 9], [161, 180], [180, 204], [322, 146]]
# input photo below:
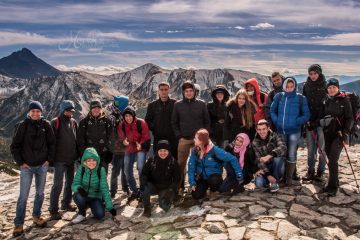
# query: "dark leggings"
[[333, 147], [214, 182]]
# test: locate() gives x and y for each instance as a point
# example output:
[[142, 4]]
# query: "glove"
[[113, 212], [82, 192], [240, 187], [167, 196], [142, 185], [344, 137]]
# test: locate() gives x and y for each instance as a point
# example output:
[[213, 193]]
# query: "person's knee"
[[197, 195], [98, 214], [259, 182]]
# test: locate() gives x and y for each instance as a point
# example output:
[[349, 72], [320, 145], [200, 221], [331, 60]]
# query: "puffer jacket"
[[90, 182], [269, 101], [211, 165], [260, 107], [288, 116]]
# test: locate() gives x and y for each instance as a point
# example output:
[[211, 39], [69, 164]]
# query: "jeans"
[[230, 182], [333, 148], [312, 146], [96, 205], [118, 165], [291, 141], [129, 161], [60, 169], [214, 182], [26, 176], [151, 190], [276, 169]]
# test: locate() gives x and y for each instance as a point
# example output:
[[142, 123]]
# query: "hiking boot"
[[274, 187], [282, 179], [310, 175], [296, 176], [55, 216], [39, 221], [147, 211], [133, 197], [112, 195], [70, 208], [290, 167], [319, 176], [78, 219], [18, 229], [332, 192], [128, 193], [212, 196]]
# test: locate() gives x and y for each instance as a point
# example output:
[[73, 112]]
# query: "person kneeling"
[[269, 148], [204, 167], [90, 187], [160, 176]]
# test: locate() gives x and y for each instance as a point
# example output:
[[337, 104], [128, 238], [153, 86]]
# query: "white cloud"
[[176, 31], [262, 26], [238, 27], [150, 31], [103, 70], [286, 70]]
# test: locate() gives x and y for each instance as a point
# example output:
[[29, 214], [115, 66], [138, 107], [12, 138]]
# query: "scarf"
[[241, 150], [236, 111], [314, 85]]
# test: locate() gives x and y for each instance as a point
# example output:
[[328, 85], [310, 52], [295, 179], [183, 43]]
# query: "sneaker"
[[128, 193], [147, 211], [70, 208], [18, 230], [78, 219], [274, 187], [55, 216], [39, 221]]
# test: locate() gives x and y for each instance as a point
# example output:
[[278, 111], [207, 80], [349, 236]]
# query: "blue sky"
[[255, 35]]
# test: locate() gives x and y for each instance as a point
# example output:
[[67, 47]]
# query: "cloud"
[[343, 39], [176, 31], [103, 70], [238, 27], [150, 31], [262, 26], [285, 70]]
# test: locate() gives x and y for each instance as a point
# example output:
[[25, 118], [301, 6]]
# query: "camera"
[[198, 177]]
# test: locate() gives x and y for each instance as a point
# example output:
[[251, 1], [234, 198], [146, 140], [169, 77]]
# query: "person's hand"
[[138, 146], [45, 163], [193, 188], [259, 173], [125, 142], [25, 166], [167, 196], [113, 212], [82, 192], [265, 159], [271, 179]]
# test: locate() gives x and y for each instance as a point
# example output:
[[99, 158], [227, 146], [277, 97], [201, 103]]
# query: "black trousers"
[[333, 147], [214, 182], [173, 146]]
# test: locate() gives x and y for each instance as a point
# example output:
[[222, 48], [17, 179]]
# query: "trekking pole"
[[312, 131]]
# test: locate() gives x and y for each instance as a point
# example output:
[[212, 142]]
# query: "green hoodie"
[[90, 180]]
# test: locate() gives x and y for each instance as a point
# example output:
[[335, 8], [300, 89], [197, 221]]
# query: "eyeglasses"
[[332, 80]]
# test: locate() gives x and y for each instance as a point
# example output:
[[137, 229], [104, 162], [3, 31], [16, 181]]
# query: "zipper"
[[89, 183], [284, 115], [96, 132]]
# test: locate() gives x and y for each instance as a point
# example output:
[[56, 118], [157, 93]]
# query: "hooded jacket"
[[211, 166], [90, 182], [269, 101], [33, 142], [288, 116], [217, 112], [189, 115], [260, 111], [115, 118]]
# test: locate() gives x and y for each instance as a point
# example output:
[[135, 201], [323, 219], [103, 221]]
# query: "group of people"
[[253, 136]]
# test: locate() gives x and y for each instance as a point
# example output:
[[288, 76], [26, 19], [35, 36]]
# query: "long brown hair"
[[246, 109]]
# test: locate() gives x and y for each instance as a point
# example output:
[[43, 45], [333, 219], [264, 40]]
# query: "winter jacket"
[[211, 166], [261, 99], [232, 127], [217, 112], [163, 173], [288, 116], [189, 115], [90, 182], [273, 144], [116, 117], [33, 142], [315, 92], [94, 132], [269, 101], [158, 118], [66, 148], [133, 136]]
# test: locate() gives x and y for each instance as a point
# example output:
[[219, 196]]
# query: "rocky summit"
[[302, 212]]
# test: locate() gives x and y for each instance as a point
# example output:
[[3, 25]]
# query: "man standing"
[[189, 115], [158, 118], [276, 79], [66, 154]]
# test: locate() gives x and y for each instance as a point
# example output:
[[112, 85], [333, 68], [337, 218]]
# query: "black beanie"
[[316, 68], [95, 103], [163, 144], [130, 110], [332, 81]]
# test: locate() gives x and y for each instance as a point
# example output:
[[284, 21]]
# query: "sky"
[[260, 36]]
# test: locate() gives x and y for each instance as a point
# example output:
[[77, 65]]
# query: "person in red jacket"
[[259, 98], [134, 134]]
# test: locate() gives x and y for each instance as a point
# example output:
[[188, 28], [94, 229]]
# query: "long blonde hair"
[[249, 105]]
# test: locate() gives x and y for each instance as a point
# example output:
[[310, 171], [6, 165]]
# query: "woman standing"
[[259, 98]]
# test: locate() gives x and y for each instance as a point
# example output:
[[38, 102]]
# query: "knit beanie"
[[163, 144], [35, 105], [316, 68], [67, 105], [332, 81], [121, 102], [129, 110], [95, 103]]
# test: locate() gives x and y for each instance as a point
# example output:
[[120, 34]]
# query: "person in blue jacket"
[[205, 169], [289, 111]]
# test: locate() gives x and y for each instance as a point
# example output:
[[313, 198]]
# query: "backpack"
[[139, 129], [117, 123], [153, 163], [58, 124], [98, 173], [355, 105]]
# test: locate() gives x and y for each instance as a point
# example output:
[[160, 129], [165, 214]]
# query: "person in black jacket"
[[160, 176], [315, 91], [189, 115], [336, 118], [217, 110], [276, 79], [158, 118], [95, 131], [66, 154], [33, 149]]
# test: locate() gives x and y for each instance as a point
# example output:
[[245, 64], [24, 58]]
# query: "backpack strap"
[[279, 98], [301, 101], [75, 124], [262, 97], [57, 124], [123, 128], [138, 126], [213, 155]]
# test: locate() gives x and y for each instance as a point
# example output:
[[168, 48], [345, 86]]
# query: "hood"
[[91, 153], [121, 102], [284, 82], [223, 89], [101, 115], [130, 110], [112, 108], [186, 85], [254, 82]]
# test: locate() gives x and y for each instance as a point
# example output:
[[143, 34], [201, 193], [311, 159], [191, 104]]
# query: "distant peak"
[[25, 50]]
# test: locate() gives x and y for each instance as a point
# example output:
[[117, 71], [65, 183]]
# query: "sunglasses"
[[332, 80]]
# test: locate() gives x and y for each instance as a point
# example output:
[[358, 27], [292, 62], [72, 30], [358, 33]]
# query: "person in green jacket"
[[89, 189]]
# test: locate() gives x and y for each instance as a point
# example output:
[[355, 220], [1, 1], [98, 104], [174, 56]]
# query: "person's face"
[[91, 163], [35, 114], [249, 87], [196, 93], [164, 91], [197, 143], [290, 87], [220, 96], [68, 113], [241, 100], [163, 153], [239, 142], [313, 75], [95, 111], [333, 90], [129, 118], [189, 93], [262, 130], [277, 81]]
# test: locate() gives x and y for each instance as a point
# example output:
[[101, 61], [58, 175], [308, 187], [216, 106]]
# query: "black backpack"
[[355, 105], [117, 123], [139, 129]]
